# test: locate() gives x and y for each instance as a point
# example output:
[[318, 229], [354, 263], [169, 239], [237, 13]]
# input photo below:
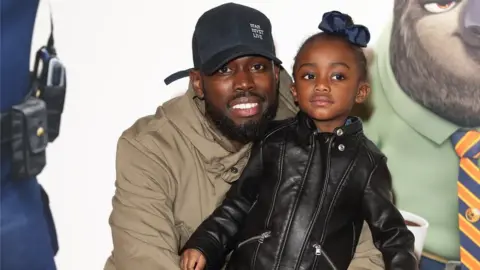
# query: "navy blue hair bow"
[[335, 22]]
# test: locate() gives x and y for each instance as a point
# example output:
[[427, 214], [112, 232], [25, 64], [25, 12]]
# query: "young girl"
[[312, 180]]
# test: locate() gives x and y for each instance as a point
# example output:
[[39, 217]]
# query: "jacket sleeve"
[[390, 234], [142, 222], [216, 236]]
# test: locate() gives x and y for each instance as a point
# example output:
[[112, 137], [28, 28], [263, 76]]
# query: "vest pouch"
[[29, 138]]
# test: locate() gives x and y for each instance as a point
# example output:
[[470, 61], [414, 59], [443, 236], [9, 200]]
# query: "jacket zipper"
[[317, 211], [260, 238], [265, 235], [322, 237], [277, 187], [319, 252], [334, 199], [289, 222]]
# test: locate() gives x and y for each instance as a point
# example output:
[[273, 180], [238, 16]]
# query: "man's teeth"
[[244, 106]]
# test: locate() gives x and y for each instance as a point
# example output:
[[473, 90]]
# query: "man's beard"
[[247, 132]]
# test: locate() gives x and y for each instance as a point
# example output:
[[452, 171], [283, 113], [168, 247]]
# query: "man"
[[27, 233], [175, 167]]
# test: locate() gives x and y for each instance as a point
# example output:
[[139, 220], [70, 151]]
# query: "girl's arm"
[[390, 234], [215, 237]]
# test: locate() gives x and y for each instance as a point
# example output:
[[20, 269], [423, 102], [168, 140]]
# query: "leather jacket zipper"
[[317, 211], [319, 252], [277, 186], [264, 236], [259, 238], [289, 222], [334, 200]]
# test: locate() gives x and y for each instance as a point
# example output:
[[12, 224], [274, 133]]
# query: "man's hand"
[[192, 259]]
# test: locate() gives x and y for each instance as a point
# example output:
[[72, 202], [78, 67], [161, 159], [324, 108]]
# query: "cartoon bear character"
[[425, 76]]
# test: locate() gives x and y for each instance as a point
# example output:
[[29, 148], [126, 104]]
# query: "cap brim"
[[225, 56]]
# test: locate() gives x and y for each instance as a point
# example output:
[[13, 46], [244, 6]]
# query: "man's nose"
[[244, 81], [471, 23]]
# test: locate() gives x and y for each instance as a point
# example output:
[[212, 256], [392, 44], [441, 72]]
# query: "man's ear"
[[196, 80], [276, 72], [363, 92], [293, 90]]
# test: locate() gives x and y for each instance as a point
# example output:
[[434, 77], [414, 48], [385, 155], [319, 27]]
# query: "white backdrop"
[[117, 53]]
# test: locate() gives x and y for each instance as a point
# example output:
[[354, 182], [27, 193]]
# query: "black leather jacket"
[[301, 202]]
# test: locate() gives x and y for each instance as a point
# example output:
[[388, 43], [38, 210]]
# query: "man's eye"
[[309, 76], [257, 67], [223, 69], [338, 77]]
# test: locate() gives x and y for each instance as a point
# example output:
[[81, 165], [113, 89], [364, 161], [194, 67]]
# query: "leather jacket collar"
[[307, 127]]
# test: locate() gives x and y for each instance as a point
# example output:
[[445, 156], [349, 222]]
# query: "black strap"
[[51, 40], [177, 75]]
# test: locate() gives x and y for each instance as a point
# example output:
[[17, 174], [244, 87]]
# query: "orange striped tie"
[[467, 146]]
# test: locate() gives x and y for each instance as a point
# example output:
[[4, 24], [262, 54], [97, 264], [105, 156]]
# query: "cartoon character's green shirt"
[[420, 155]]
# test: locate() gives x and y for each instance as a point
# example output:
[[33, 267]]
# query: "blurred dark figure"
[[28, 239]]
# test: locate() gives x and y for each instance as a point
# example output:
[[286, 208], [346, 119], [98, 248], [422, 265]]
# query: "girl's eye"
[[309, 76], [258, 67], [338, 77], [223, 69]]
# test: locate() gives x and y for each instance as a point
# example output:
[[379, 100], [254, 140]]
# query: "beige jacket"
[[172, 170]]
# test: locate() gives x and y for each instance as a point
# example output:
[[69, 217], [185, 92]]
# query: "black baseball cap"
[[227, 32]]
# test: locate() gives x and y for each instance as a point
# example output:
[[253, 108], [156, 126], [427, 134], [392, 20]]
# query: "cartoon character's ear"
[[369, 54]]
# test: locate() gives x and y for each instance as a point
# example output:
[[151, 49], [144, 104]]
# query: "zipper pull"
[[318, 249], [264, 236]]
